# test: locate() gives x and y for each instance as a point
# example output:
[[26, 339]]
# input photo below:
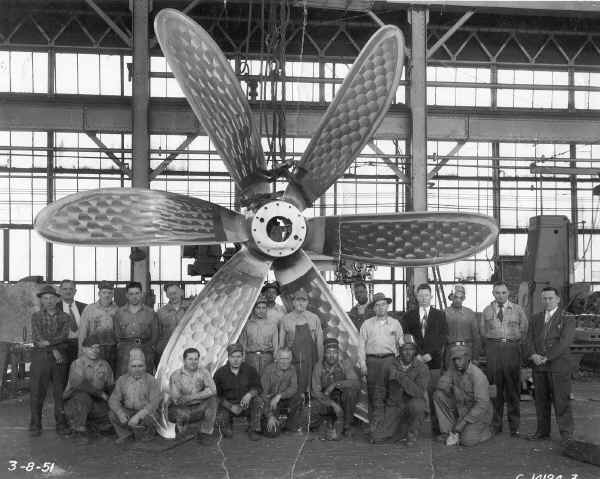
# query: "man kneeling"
[[86, 395], [462, 401], [279, 383], [193, 397], [134, 401], [335, 388], [238, 387]]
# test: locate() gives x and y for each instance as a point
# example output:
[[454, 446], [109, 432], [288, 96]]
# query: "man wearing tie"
[[548, 346], [504, 327], [74, 309], [430, 330]]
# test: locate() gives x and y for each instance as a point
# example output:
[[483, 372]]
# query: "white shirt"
[[71, 309], [549, 314], [424, 314]]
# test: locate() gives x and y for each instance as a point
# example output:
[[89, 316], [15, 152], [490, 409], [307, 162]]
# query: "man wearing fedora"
[[462, 402], [274, 311], [335, 388], [50, 328], [260, 337], [405, 405], [463, 328], [380, 338]]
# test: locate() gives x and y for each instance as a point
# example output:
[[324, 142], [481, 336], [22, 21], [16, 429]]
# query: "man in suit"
[[549, 339], [430, 330], [74, 309]]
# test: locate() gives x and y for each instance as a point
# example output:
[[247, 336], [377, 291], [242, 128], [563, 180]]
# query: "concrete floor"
[[307, 458]]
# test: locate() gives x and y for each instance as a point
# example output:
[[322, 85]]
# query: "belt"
[[259, 352], [380, 356], [459, 343], [503, 340], [132, 340]]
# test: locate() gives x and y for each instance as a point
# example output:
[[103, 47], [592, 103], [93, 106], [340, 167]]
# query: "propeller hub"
[[278, 229]]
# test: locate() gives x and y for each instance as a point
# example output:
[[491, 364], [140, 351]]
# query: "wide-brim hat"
[[274, 285], [381, 297], [47, 289]]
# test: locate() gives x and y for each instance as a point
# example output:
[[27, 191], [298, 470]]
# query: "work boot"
[[227, 431], [254, 436], [205, 439], [411, 439]]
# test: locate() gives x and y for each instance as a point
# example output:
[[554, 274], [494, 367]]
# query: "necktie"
[[500, 313], [423, 322]]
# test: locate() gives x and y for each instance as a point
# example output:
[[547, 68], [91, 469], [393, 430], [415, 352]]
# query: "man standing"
[[363, 310], [74, 309], [238, 389], [301, 331], [50, 331], [548, 346], [280, 393], [169, 316], [88, 388], [193, 397], [136, 326], [429, 328], [405, 404], [463, 329], [98, 320], [380, 338], [462, 402], [335, 388], [260, 337], [134, 400], [503, 327], [274, 311]]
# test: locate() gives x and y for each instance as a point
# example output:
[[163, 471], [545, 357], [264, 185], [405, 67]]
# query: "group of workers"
[[285, 372]]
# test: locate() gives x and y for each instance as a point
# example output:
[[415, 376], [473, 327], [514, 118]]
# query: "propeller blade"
[[401, 239], [215, 95], [138, 217], [352, 117], [217, 315]]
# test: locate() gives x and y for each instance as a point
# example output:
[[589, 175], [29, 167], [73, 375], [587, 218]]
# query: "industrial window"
[[454, 95], [587, 95], [88, 74], [23, 72], [529, 91]]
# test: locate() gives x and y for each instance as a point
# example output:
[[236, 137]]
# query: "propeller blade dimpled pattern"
[[217, 315], [402, 239], [214, 93], [352, 117], [138, 217]]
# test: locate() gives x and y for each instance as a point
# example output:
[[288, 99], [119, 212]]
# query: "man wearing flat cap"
[[134, 401], [301, 331], [379, 342], [260, 337], [193, 397], [98, 320], [463, 328], [405, 405], [335, 388], [88, 387], [363, 309], [238, 389], [50, 328], [462, 402], [274, 311]]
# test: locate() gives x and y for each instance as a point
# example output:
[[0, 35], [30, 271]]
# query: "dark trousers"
[[434, 377], [44, 371], [377, 388], [504, 370], [204, 412], [346, 398], [72, 350], [402, 416], [108, 352], [553, 388], [253, 412], [82, 410]]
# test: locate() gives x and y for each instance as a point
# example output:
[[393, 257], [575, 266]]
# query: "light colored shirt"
[[513, 325], [169, 317], [72, 310], [260, 335], [287, 329], [277, 381], [99, 320], [135, 394], [549, 314], [142, 324], [276, 313], [184, 383], [463, 326], [380, 336], [96, 372]]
